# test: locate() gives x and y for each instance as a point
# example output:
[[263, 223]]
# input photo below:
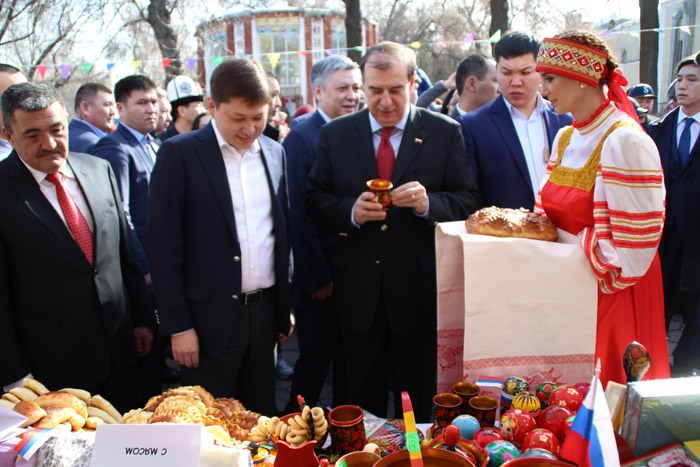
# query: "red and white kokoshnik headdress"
[[581, 62]]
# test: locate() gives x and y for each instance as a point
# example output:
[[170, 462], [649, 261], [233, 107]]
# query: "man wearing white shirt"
[[94, 112], [71, 289], [9, 75], [217, 242], [676, 136], [509, 139]]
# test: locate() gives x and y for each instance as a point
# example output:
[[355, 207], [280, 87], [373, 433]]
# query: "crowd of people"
[[213, 225]]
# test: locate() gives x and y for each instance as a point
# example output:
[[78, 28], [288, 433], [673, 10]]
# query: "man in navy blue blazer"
[[131, 150], [336, 83], [509, 140], [94, 112], [676, 136]]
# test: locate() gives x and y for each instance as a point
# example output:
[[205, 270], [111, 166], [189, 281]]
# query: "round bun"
[[505, 222]]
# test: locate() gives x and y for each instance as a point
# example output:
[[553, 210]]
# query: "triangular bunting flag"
[[87, 67], [330, 52], [274, 57], [415, 45], [302, 53], [685, 29], [110, 65], [191, 62], [65, 69], [135, 64], [634, 34], [359, 48], [496, 37], [218, 61], [42, 70], [166, 62], [469, 39], [247, 56], [441, 44]]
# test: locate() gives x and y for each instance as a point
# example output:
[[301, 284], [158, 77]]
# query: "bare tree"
[[499, 16], [353, 28], [649, 42]]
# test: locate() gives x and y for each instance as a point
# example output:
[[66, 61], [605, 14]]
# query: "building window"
[[677, 37], [283, 38], [339, 41]]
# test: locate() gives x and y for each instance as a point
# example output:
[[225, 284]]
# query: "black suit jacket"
[[682, 197], [66, 322], [494, 149], [192, 242], [393, 260]]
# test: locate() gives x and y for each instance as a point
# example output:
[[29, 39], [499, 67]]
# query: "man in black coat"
[[676, 136], [384, 269]]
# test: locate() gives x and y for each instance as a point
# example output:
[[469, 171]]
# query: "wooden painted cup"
[[484, 409], [347, 429], [382, 191], [447, 407], [466, 391]]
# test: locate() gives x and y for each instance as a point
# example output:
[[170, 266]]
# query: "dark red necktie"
[[77, 224], [385, 155]]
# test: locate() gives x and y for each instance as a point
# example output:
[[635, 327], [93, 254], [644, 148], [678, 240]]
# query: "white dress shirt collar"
[[539, 107], [254, 148], [323, 114], [374, 124]]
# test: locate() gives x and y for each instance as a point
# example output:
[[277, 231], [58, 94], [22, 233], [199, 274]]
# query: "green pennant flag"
[[87, 67], [496, 37], [358, 48], [218, 61]]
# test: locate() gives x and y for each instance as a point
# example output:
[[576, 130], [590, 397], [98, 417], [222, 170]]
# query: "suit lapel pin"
[[418, 141]]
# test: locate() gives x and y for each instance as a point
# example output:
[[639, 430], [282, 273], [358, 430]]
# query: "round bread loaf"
[[505, 222], [29, 409]]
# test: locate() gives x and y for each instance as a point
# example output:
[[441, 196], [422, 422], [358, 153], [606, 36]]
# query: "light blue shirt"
[[146, 141], [5, 148], [532, 133]]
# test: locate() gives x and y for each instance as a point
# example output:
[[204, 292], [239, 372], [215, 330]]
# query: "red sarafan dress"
[[604, 183]]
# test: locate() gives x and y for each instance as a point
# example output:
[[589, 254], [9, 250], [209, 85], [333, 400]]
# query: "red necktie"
[[385, 155], [74, 218]]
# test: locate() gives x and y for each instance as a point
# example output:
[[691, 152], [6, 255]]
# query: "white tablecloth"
[[512, 306]]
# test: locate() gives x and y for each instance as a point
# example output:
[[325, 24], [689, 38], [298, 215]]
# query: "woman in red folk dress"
[[604, 183]]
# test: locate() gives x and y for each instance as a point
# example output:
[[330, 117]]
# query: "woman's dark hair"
[[197, 119]]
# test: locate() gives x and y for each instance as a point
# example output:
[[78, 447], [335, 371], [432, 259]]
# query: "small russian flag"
[[591, 439], [491, 381], [32, 441]]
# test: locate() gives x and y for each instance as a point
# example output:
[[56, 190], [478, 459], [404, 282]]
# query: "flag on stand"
[[591, 439]]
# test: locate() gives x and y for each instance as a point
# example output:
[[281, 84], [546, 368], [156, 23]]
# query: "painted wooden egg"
[[553, 418], [515, 385], [541, 438], [543, 391], [486, 436], [515, 425], [566, 396], [527, 402], [501, 452]]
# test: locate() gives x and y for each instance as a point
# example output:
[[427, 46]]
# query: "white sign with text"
[[147, 445]]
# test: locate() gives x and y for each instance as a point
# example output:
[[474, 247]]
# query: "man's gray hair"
[[323, 69], [29, 97]]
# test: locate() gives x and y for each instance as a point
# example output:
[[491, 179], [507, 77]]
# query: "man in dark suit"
[[384, 269], [336, 82], [218, 244], [131, 150], [676, 136], [73, 305], [509, 140], [94, 110]]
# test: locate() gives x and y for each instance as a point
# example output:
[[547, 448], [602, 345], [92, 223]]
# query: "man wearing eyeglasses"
[[186, 98]]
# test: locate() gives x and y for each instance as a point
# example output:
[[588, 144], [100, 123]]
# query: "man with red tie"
[[384, 268], [74, 306]]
